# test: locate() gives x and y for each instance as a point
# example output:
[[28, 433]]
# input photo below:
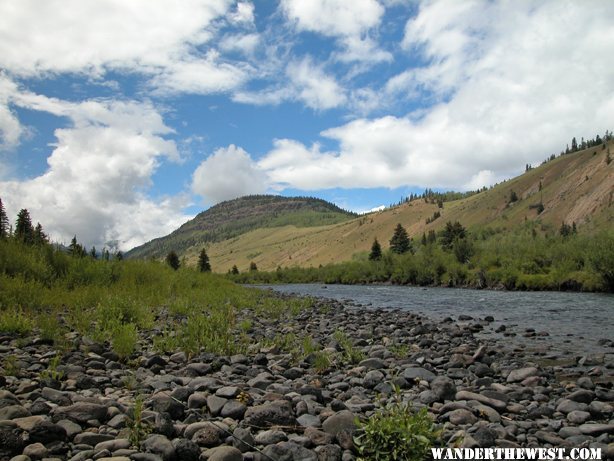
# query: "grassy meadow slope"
[[231, 218], [576, 188]]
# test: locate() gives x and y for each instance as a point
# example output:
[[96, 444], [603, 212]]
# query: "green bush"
[[15, 321], [124, 339], [396, 433]]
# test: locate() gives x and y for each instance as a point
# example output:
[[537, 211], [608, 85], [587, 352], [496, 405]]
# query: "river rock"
[[443, 388], [597, 429], [466, 395], [413, 373], [186, 450], [276, 413], [82, 412], [520, 374], [159, 445], [224, 453]]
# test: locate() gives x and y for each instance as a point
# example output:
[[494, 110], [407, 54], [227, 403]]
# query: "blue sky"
[[121, 120]]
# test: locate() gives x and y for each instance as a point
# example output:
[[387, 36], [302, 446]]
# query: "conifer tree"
[[76, 249], [173, 260], [203, 262], [253, 267], [234, 270], [40, 238], [93, 253], [24, 232], [4, 222], [452, 232], [400, 242], [376, 251]]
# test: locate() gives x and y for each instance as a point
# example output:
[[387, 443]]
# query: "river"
[[576, 323]]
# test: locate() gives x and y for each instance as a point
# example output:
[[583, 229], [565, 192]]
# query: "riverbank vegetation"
[[53, 291], [480, 258]]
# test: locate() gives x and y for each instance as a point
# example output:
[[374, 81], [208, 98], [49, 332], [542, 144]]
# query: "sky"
[[120, 120]]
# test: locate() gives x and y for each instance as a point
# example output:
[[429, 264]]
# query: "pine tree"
[[119, 256], [513, 197], [423, 239], [93, 253], [40, 238], [234, 270], [172, 260], [4, 222], [253, 267], [376, 251], [24, 232], [452, 232], [76, 249], [400, 243], [203, 262]]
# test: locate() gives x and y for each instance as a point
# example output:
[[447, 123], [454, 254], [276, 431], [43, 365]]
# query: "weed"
[[138, 428], [129, 381], [124, 339], [52, 373], [396, 433], [350, 354], [400, 351], [10, 366], [321, 361], [15, 321]]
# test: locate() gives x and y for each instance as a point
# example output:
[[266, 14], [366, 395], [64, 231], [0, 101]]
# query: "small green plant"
[[321, 362], [350, 354], [396, 433], [138, 428], [14, 321], [10, 366], [245, 325], [124, 339], [400, 351], [52, 372], [130, 382]]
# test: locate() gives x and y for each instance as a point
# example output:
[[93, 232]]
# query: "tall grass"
[[119, 301]]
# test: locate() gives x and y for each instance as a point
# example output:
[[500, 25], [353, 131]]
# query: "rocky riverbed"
[[268, 404]]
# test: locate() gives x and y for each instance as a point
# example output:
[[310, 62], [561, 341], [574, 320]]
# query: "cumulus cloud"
[[71, 36], [348, 22], [314, 87], [228, 173], [508, 83], [10, 128], [98, 174]]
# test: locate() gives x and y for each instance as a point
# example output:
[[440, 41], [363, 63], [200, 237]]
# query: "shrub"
[[124, 339], [14, 321], [396, 433]]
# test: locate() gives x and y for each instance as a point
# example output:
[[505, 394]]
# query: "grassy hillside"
[[230, 219], [576, 188]]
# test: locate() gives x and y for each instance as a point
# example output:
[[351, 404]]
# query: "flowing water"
[[576, 323]]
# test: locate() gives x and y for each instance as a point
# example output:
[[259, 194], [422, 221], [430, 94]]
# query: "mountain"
[[573, 188], [232, 218]]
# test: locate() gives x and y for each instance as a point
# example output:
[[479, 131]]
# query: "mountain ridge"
[[231, 218]]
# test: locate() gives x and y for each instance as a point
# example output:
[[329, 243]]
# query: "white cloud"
[[200, 76], [314, 87], [98, 173], [244, 14], [76, 36], [349, 22], [140, 36], [514, 82], [306, 82], [10, 128], [243, 43], [228, 173]]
